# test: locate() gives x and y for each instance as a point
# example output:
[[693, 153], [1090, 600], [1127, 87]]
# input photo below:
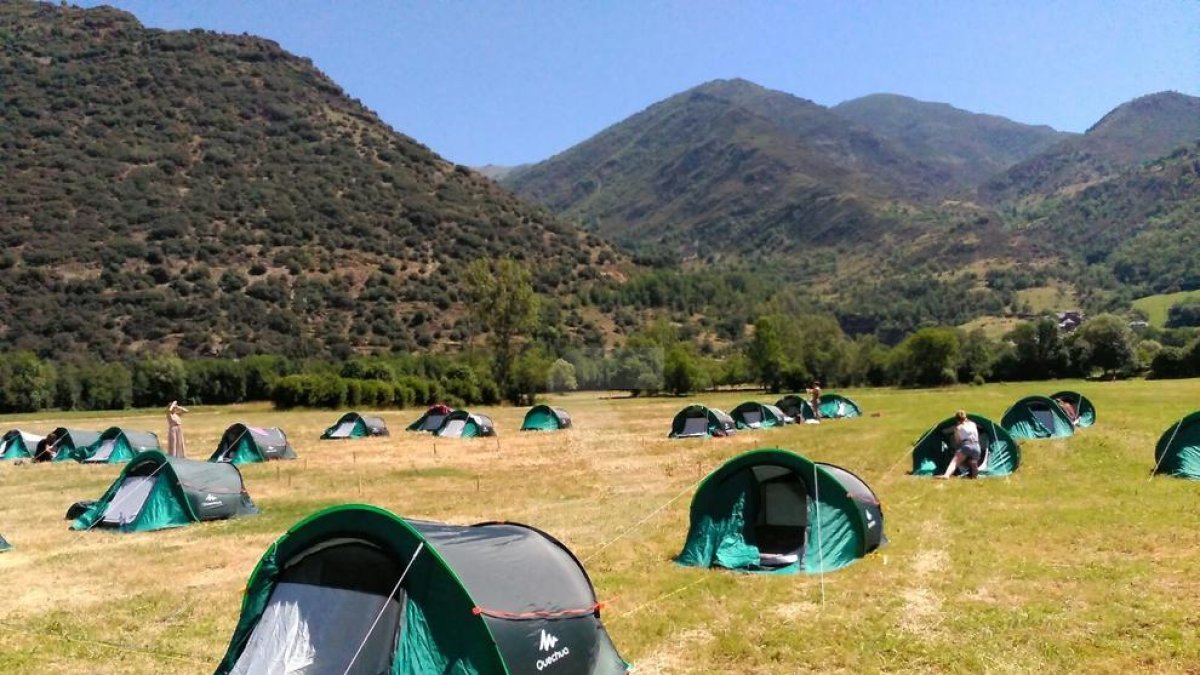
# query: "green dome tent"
[[431, 420], [463, 424], [1177, 452], [4, 545], [697, 421], [17, 444], [755, 415], [241, 444], [1037, 417], [796, 406], [772, 510], [933, 452], [1085, 412], [353, 425], [72, 444], [155, 492], [835, 405], [117, 445], [356, 589], [545, 418]]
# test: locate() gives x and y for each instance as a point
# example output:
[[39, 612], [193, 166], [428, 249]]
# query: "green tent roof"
[[154, 492], [1177, 452], [755, 415], [698, 421], [772, 501], [243, 444], [544, 418], [1037, 417], [490, 598], [932, 453]]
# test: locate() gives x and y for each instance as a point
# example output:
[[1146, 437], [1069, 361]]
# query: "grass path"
[[1076, 563]]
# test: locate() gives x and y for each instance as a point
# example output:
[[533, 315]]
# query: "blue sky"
[[507, 82]]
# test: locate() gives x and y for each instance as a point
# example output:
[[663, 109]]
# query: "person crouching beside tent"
[[966, 447], [45, 448]]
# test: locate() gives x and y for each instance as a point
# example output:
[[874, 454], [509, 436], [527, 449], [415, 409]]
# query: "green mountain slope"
[[973, 147], [213, 192], [731, 166], [1140, 130]]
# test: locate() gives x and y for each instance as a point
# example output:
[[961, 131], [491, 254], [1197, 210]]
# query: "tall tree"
[[502, 302]]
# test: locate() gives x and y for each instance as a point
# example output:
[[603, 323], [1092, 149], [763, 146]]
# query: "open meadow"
[[1079, 562]]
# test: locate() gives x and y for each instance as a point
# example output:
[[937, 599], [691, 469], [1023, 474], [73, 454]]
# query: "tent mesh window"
[[782, 515], [695, 426], [321, 610]]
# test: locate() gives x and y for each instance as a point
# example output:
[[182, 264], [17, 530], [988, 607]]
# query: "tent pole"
[[820, 548], [383, 608], [1166, 448]]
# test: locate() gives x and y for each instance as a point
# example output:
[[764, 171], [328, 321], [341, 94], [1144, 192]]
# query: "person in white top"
[[175, 444], [966, 447]]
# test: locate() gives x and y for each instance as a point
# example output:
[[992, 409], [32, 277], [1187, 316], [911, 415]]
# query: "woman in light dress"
[[175, 444]]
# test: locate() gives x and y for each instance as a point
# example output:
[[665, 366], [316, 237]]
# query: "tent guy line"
[[186, 658], [641, 522]]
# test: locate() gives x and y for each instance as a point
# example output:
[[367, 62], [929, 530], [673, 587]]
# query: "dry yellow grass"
[[1077, 563]]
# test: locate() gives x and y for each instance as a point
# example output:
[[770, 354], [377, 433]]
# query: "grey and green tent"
[[354, 425], [73, 444], [4, 545], [755, 415], [1037, 417], [356, 589], [431, 420], [545, 418], [932, 453], [697, 421], [464, 424], [155, 492], [796, 406], [17, 444], [1085, 412], [117, 445], [242, 444], [772, 510], [1177, 452]]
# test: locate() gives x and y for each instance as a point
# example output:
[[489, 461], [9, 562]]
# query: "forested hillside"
[[217, 194], [1140, 130], [972, 146]]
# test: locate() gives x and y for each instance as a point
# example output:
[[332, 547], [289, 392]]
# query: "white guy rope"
[[383, 608], [820, 548], [640, 522], [111, 645], [1166, 448]]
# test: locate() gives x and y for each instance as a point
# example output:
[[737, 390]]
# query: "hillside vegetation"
[[217, 194]]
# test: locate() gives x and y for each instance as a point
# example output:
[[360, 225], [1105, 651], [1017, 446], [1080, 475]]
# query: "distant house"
[[1069, 321]]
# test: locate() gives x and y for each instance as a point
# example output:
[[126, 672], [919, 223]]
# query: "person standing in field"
[[966, 447], [816, 399], [175, 444]]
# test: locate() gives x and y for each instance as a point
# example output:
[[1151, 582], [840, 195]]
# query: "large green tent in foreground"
[[356, 589], [117, 445], [1177, 452], [772, 510], [1037, 417], [242, 444], [933, 452], [155, 492], [697, 421], [1085, 412], [545, 418], [354, 425], [72, 444], [17, 444]]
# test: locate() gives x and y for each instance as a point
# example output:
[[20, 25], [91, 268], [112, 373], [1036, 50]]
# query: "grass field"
[[1077, 563], [1156, 306]]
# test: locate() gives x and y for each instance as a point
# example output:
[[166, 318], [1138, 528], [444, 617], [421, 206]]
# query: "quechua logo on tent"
[[547, 642]]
